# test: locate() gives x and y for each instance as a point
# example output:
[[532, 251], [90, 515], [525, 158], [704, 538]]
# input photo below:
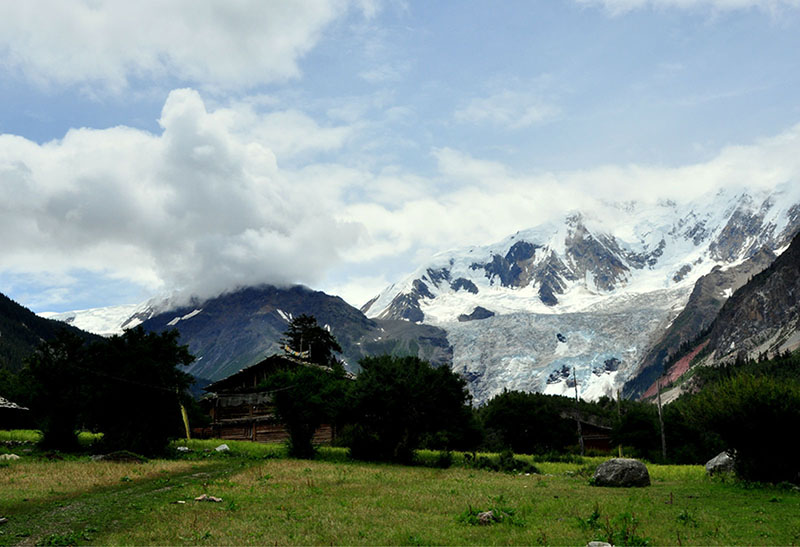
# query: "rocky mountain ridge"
[[239, 328]]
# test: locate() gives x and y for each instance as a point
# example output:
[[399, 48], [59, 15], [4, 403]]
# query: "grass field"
[[269, 499]]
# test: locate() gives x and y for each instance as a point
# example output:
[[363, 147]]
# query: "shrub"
[[400, 401], [757, 417], [305, 398]]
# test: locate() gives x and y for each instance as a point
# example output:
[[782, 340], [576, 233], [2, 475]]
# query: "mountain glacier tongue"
[[589, 294]]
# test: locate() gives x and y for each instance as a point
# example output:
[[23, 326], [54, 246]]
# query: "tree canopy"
[[128, 387], [402, 403], [304, 334]]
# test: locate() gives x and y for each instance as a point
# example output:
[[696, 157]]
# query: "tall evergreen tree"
[[304, 334]]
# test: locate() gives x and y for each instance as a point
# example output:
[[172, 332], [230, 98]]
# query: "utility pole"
[[619, 417], [661, 424], [578, 413]]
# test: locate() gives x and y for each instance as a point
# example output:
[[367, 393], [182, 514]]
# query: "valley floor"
[[268, 499]]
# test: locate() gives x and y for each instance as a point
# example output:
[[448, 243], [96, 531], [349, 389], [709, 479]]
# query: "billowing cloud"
[[205, 205], [623, 6], [105, 42], [201, 207]]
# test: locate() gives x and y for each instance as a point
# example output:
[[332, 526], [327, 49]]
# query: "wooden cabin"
[[240, 410], [596, 432]]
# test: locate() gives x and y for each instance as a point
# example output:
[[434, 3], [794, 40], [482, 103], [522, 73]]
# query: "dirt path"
[[75, 520]]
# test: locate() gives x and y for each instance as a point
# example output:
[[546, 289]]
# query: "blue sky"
[[151, 147]]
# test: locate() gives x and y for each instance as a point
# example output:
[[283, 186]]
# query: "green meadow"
[[267, 498]]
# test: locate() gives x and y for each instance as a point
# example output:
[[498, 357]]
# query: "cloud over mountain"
[[202, 206]]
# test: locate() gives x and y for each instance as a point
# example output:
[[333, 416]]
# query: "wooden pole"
[[578, 413], [619, 416], [661, 424], [184, 416]]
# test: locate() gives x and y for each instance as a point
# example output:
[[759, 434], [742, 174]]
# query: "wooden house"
[[241, 410], [596, 431]]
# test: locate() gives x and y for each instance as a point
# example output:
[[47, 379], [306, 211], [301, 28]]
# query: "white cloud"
[[205, 206], [623, 6], [508, 108], [109, 42], [474, 202], [202, 206]]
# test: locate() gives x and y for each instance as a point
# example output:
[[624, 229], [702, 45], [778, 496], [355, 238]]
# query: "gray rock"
[[622, 472], [721, 463], [487, 517], [598, 544], [222, 448], [9, 457]]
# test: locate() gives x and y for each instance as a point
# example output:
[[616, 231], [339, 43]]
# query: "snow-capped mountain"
[[106, 321], [590, 293]]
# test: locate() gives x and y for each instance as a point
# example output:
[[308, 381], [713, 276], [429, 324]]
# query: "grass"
[[269, 499]]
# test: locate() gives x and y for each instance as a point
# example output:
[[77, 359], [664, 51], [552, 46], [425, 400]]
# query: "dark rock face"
[[561, 338], [511, 270], [559, 375], [477, 314], [609, 366], [721, 463], [462, 284], [438, 276], [406, 305], [622, 472], [600, 256], [680, 274], [767, 306]]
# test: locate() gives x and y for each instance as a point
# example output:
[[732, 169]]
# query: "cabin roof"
[[235, 381], [5, 403]]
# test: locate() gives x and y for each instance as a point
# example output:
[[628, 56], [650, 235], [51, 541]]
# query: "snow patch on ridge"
[[183, 318]]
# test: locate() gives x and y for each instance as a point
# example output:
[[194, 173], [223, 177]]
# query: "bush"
[[397, 402], [57, 379], [757, 417], [305, 398], [505, 462], [137, 389], [528, 423]]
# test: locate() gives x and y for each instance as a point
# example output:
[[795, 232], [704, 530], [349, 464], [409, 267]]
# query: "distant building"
[[596, 432], [240, 410]]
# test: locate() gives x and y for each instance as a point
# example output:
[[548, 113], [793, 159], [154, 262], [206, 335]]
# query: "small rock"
[[3, 520], [598, 544], [183, 449], [222, 448], [486, 517], [206, 497], [623, 472], [721, 463], [9, 457]]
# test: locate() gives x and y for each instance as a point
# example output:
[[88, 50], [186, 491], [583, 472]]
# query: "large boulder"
[[721, 463], [622, 472]]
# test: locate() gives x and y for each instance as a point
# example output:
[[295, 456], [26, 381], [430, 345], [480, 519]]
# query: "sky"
[[151, 148]]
